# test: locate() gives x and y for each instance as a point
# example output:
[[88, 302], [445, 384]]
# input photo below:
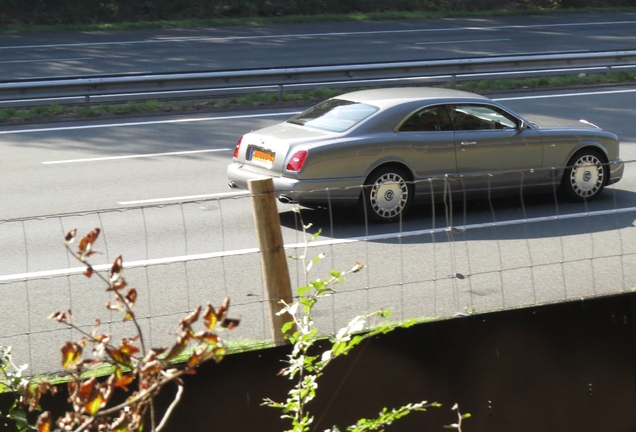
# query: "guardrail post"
[[87, 101], [280, 93], [273, 258], [453, 81]]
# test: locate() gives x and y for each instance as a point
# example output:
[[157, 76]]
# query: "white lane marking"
[[46, 60], [592, 93], [145, 123], [590, 69], [461, 41], [528, 53], [197, 257], [306, 35], [186, 198], [106, 158]]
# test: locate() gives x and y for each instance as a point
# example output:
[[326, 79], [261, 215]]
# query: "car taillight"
[[237, 148], [297, 161]]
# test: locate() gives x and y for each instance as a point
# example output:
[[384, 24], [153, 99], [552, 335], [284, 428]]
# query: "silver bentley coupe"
[[386, 148]]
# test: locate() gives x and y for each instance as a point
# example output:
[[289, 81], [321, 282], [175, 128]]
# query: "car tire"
[[585, 176], [387, 194]]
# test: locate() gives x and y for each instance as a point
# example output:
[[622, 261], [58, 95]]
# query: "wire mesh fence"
[[448, 256]]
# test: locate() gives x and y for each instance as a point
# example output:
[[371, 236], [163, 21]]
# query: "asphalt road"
[[140, 167], [125, 176], [95, 165], [226, 48]]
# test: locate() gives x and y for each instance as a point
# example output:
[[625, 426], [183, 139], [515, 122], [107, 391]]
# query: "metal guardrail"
[[280, 77]]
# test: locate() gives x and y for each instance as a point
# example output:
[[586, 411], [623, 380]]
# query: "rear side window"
[[334, 115], [429, 119]]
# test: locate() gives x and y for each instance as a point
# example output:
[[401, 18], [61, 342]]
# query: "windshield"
[[334, 115]]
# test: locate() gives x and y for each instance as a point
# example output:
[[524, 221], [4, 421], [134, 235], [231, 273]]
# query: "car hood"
[[557, 123]]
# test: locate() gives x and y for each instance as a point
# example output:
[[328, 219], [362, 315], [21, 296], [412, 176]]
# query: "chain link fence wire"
[[447, 257]]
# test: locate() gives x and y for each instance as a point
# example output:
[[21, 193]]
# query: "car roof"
[[398, 95]]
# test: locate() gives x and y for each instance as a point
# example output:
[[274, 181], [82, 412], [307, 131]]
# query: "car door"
[[429, 135], [494, 149]]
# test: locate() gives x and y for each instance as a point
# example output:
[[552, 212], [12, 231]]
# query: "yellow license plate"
[[264, 156]]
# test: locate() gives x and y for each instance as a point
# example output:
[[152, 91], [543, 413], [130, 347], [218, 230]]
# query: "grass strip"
[[297, 19], [57, 112]]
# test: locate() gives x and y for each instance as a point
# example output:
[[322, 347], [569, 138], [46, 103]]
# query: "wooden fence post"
[[273, 258]]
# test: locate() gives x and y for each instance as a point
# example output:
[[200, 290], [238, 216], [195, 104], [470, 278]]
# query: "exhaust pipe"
[[232, 185], [286, 200]]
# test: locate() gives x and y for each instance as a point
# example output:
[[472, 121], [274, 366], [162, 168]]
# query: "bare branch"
[[168, 412]]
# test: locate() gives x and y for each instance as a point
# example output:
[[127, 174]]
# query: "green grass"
[[234, 347], [293, 19], [547, 82], [57, 112], [105, 369]]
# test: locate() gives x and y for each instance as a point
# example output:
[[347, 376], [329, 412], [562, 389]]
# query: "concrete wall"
[[568, 366]]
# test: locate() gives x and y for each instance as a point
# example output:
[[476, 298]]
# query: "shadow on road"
[[536, 216]]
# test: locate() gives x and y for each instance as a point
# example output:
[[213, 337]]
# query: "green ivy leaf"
[[317, 284], [303, 290], [287, 326]]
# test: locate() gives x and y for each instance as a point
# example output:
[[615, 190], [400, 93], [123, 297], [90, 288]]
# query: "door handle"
[[465, 143]]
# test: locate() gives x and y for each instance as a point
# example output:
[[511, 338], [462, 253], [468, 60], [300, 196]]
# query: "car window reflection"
[[334, 115], [429, 119], [478, 117]]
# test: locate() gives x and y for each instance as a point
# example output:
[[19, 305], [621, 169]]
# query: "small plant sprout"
[[460, 417], [306, 369]]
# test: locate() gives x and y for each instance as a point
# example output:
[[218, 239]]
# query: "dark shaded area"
[[345, 222], [47, 12], [567, 366]]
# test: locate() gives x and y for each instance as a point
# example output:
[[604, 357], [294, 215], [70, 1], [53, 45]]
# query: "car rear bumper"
[[319, 191], [238, 177]]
